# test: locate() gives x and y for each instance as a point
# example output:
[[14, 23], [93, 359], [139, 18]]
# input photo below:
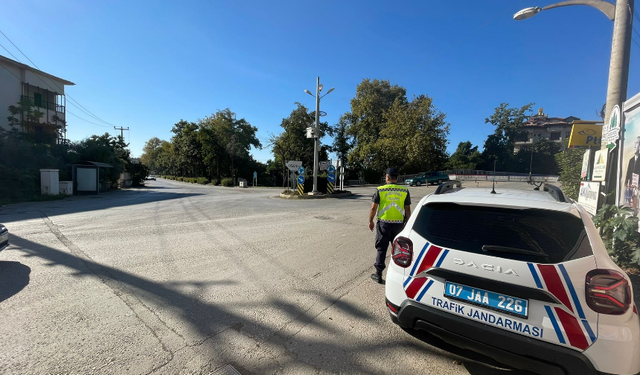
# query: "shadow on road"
[[211, 319], [83, 203], [14, 276]]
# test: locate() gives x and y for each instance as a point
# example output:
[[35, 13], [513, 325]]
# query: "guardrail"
[[503, 178]]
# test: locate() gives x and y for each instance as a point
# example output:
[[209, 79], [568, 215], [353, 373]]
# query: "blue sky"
[[147, 64]]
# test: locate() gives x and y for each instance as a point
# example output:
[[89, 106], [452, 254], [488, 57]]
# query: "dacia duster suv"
[[519, 276]]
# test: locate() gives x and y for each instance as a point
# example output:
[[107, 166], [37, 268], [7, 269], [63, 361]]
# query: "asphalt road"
[[188, 279]]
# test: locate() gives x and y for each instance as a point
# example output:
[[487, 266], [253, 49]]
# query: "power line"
[[79, 106], [93, 123], [9, 52], [34, 64]]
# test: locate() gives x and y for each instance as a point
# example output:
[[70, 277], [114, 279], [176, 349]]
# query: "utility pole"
[[121, 130], [316, 133]]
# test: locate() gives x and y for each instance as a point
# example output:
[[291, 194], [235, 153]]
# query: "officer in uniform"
[[392, 204]]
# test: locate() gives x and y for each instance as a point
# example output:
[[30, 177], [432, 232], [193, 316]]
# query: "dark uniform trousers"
[[385, 233]]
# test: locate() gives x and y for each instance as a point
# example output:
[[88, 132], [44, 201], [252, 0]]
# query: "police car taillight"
[[608, 292], [402, 252]]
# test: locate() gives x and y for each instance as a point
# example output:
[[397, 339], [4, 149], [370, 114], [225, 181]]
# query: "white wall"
[[87, 179], [10, 91]]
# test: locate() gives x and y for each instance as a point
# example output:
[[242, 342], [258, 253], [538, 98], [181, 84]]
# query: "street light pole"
[[315, 139], [316, 133]]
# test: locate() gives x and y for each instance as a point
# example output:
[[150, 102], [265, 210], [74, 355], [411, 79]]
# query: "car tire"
[[439, 182], [418, 183]]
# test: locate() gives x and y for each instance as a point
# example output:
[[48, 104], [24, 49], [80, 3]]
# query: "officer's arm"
[[372, 212], [407, 213]]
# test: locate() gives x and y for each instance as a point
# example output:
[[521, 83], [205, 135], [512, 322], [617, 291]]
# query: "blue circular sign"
[[301, 179], [331, 168], [301, 170], [331, 177]]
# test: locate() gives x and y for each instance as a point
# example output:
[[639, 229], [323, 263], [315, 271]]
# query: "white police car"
[[520, 276]]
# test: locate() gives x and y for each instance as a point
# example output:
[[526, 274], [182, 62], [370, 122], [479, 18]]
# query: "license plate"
[[494, 301]]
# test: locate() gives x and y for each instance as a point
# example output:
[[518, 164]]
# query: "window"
[[556, 236], [555, 136], [37, 99]]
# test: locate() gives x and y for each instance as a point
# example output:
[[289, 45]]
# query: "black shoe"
[[377, 278]]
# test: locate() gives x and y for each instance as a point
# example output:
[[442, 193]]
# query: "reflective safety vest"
[[391, 208]]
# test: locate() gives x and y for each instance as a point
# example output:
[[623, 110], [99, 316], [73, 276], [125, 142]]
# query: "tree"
[[466, 156], [570, 163], [366, 119], [499, 145], [230, 138], [414, 137], [293, 144], [187, 148], [150, 154], [342, 143]]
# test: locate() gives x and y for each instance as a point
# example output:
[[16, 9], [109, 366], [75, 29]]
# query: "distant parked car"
[[428, 178], [4, 237], [150, 177]]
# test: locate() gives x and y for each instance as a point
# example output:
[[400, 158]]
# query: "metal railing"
[[53, 106]]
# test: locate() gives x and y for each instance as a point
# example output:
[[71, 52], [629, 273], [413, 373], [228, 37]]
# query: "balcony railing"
[[53, 106]]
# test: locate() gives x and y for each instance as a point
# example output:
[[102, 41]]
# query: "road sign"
[[301, 179], [300, 170], [324, 165], [611, 130], [331, 169], [293, 165], [331, 177], [255, 174]]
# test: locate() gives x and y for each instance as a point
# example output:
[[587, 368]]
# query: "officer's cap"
[[393, 172]]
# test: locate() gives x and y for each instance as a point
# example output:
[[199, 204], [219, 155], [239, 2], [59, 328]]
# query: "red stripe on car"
[[554, 284], [573, 329], [635, 309], [429, 259], [415, 286]]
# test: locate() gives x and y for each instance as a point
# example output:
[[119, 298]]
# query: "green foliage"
[[619, 231], [499, 145], [138, 173], [389, 130], [570, 163], [202, 180], [105, 149], [214, 147], [228, 182], [293, 144], [466, 156]]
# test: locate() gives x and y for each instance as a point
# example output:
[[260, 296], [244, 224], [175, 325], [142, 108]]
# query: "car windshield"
[[532, 235]]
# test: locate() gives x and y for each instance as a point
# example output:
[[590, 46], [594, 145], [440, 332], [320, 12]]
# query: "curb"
[[324, 196]]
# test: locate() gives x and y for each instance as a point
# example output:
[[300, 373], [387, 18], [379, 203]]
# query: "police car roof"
[[512, 198]]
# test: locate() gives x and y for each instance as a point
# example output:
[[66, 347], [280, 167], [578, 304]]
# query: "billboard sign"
[[600, 165], [585, 135], [589, 194], [585, 164], [629, 161]]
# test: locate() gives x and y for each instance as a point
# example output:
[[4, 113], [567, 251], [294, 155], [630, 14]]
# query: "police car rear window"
[[531, 235]]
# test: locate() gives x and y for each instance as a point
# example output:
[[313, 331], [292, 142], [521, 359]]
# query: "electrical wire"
[[9, 52], [72, 101]]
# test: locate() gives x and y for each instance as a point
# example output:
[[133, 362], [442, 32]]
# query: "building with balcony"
[[38, 100], [541, 126]]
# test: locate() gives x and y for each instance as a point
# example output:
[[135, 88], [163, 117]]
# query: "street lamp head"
[[331, 89], [307, 91], [320, 87], [526, 13]]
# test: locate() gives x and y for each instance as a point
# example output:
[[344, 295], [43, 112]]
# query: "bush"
[[620, 234], [228, 182], [202, 180], [215, 182]]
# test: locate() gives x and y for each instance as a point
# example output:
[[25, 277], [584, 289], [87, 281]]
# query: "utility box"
[[243, 183], [66, 187], [49, 182]]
